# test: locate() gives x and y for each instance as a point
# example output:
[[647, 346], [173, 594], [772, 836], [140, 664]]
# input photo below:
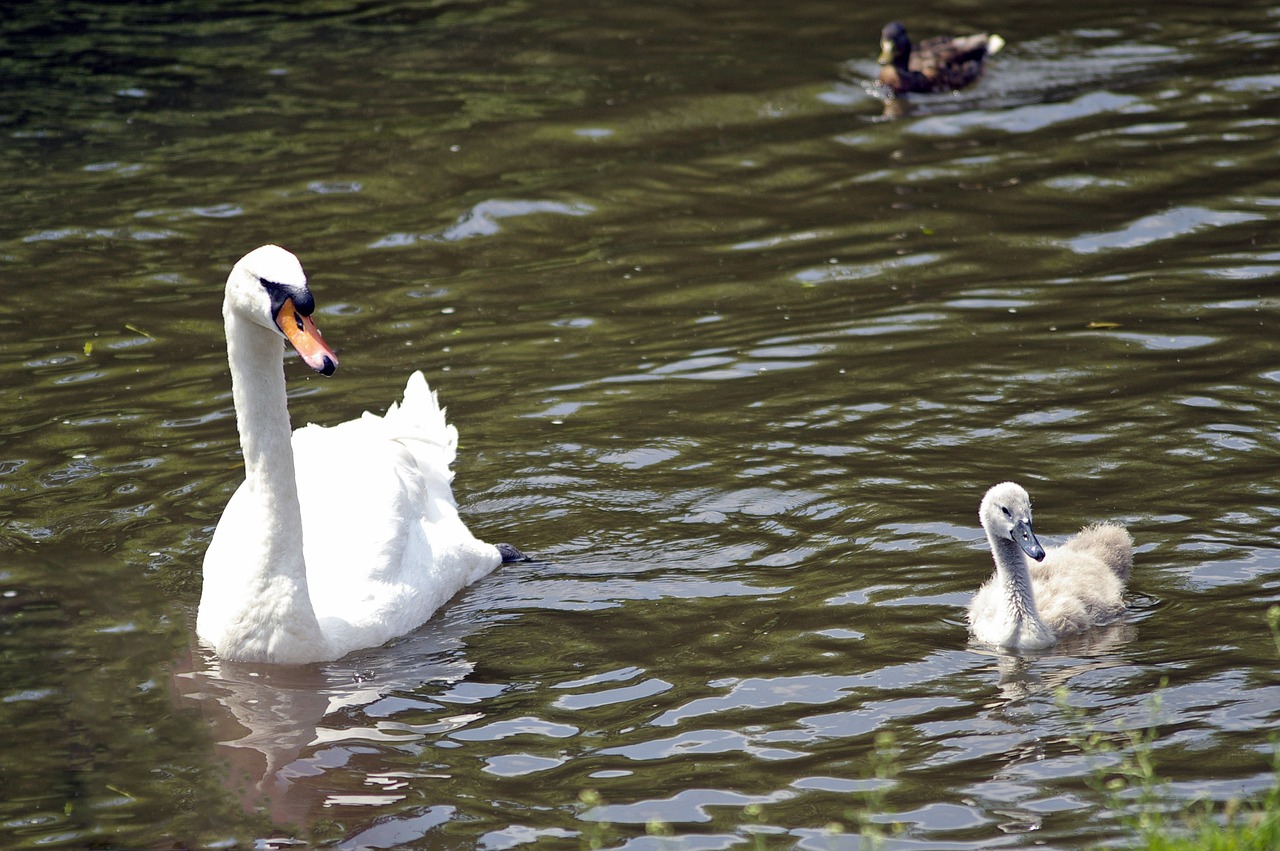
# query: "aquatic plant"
[[1130, 783]]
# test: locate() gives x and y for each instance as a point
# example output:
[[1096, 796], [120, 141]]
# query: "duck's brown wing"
[[950, 63]]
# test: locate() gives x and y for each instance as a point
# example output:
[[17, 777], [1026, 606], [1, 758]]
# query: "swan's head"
[[268, 287], [1006, 513]]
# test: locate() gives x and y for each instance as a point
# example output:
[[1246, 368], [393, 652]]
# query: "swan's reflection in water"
[[264, 718]]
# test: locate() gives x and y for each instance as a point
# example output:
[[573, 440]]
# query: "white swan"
[[1028, 605], [339, 538]]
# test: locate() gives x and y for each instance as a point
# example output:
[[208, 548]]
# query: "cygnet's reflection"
[[1029, 673]]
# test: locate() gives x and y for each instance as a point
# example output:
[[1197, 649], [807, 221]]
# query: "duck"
[[1037, 595], [339, 538], [940, 64]]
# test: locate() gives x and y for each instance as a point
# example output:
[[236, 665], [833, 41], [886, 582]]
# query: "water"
[[735, 357]]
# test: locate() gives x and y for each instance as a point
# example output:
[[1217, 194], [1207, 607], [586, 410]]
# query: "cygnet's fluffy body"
[[1038, 596]]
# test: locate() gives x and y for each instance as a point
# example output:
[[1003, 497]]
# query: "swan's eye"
[[1007, 513]]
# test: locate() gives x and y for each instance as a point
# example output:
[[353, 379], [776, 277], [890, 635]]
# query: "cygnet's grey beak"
[[1025, 538]]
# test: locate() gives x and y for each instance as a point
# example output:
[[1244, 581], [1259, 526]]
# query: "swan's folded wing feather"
[[1109, 542], [1075, 590], [384, 544]]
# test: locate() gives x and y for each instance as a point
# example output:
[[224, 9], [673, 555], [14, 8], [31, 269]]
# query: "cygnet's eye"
[[1007, 513]]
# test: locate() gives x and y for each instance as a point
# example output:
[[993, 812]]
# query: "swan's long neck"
[[262, 415], [277, 572], [1015, 583]]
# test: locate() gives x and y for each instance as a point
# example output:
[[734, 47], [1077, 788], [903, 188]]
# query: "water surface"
[[732, 354]]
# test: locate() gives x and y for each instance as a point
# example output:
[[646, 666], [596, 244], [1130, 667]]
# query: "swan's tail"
[[418, 422], [1109, 542]]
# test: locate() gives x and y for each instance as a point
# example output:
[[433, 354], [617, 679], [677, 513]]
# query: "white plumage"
[[339, 538], [1038, 596]]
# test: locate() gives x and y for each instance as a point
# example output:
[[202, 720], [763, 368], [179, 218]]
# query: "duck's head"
[[895, 47], [268, 287], [1006, 513]]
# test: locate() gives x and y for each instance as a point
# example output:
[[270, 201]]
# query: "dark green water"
[[733, 356]]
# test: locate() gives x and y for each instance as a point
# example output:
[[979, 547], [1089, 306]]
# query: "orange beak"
[[304, 336]]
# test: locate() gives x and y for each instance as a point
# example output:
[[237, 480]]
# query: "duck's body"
[[1038, 596], [940, 64], [339, 538]]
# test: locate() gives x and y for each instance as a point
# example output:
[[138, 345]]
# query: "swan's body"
[[940, 64], [1038, 596], [339, 538]]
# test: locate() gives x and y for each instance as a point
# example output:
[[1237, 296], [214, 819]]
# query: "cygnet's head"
[[1006, 513], [269, 287]]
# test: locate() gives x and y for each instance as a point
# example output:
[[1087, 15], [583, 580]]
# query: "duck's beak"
[[886, 52], [304, 336], [1025, 538]]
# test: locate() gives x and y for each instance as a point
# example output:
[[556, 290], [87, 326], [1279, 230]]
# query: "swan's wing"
[[384, 544], [419, 423], [1074, 591], [1109, 542]]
